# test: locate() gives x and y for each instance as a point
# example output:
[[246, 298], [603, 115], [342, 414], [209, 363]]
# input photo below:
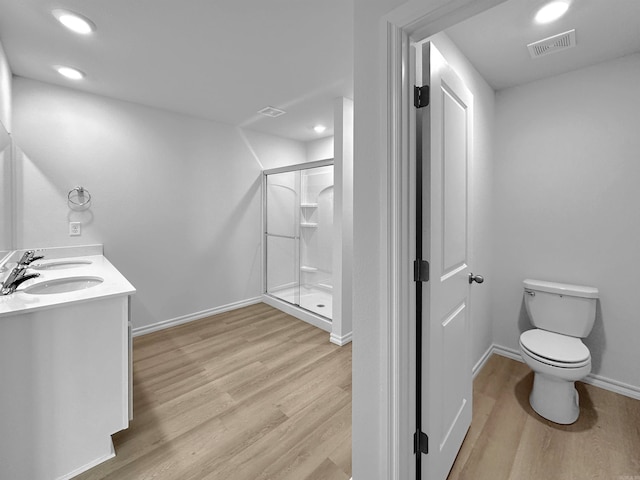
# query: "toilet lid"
[[554, 346]]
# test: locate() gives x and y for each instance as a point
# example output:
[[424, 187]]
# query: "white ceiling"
[[226, 59], [496, 40], [218, 59]]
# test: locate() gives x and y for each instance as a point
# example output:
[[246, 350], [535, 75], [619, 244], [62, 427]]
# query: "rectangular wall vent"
[[553, 44]]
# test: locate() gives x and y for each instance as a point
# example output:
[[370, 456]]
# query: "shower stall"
[[299, 239]]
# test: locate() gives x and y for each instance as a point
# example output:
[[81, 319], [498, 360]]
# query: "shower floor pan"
[[316, 300]]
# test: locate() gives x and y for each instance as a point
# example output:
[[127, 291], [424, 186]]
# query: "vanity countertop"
[[114, 284]]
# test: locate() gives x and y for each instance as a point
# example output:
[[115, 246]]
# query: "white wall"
[[5, 156], [176, 199], [480, 195], [566, 203], [6, 194], [5, 91], [320, 149], [273, 152], [270, 151]]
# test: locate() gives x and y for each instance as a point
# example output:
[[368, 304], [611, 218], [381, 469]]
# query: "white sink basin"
[[60, 264], [63, 285]]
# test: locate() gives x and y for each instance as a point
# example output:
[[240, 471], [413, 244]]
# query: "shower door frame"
[[308, 315]]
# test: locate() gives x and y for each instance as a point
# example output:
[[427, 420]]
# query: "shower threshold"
[[309, 311]]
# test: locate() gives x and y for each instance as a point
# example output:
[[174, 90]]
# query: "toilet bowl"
[[563, 314], [557, 362]]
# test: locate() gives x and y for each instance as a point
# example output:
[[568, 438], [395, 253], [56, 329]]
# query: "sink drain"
[[320, 305]]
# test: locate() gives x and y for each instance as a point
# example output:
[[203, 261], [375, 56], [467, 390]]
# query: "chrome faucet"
[[17, 276], [28, 257]]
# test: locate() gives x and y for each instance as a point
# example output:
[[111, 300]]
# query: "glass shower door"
[[316, 240], [282, 235], [299, 236]]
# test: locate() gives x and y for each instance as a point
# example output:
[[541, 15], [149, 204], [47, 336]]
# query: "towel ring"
[[79, 196]]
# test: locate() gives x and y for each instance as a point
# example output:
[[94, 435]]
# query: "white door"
[[446, 361]]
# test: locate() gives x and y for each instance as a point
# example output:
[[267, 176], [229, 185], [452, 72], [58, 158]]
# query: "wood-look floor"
[[508, 440], [252, 394]]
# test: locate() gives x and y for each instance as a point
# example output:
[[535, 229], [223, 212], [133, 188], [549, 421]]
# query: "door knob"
[[475, 278]]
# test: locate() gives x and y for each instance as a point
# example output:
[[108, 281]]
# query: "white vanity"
[[65, 365]]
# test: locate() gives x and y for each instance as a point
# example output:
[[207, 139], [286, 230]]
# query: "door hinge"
[[420, 96], [420, 442], [420, 271]]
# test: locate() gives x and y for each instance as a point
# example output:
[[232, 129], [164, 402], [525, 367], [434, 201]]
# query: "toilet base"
[[555, 399]]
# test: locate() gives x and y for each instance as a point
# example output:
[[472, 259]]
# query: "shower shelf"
[[309, 205], [305, 268], [309, 225]]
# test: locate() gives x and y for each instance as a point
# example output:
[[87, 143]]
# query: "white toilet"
[[562, 315]]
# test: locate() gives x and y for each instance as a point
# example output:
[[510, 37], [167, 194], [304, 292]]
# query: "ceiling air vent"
[[272, 112], [554, 44]]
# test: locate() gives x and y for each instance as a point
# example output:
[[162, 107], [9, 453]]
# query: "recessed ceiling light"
[[319, 128], [69, 72], [74, 21], [551, 11]]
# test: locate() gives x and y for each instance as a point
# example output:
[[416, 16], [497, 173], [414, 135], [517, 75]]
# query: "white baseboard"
[[172, 322], [605, 383], [506, 352], [613, 385], [341, 341], [304, 315], [480, 363]]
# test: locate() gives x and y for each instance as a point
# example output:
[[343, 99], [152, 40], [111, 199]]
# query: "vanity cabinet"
[[64, 387]]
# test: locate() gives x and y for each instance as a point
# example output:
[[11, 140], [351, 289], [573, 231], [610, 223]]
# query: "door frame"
[[409, 23]]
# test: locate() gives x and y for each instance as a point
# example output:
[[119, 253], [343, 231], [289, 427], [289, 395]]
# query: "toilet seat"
[[555, 349]]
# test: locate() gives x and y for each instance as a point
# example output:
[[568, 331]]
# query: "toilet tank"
[[560, 307]]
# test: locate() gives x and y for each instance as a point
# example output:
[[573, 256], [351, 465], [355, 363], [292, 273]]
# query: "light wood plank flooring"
[[252, 394], [508, 440]]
